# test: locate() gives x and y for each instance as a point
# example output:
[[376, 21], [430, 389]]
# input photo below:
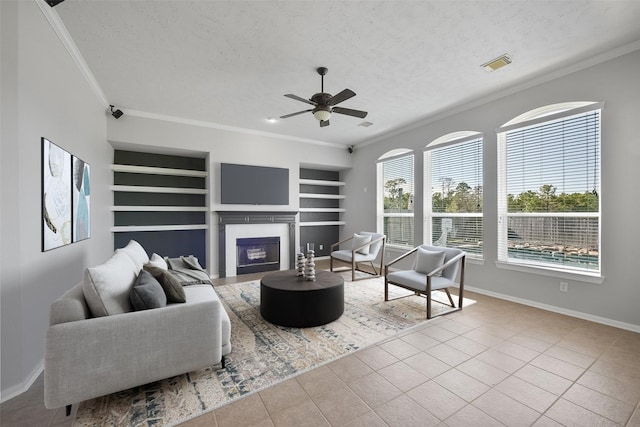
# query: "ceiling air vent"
[[365, 124], [496, 63]]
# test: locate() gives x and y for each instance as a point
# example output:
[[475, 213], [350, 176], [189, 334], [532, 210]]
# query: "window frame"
[[448, 140], [380, 194], [547, 114]]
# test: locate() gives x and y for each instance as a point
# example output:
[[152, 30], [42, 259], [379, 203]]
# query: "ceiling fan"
[[324, 103]]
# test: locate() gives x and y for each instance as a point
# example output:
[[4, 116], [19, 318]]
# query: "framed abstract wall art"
[[81, 200], [56, 196], [66, 197]]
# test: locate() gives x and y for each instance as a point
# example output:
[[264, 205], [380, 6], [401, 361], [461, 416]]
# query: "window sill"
[[578, 277]]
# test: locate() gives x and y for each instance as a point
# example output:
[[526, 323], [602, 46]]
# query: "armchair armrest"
[[448, 264], [335, 245], [354, 250]]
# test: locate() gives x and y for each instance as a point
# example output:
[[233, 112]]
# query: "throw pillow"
[[147, 293], [106, 286], [136, 252], [359, 240], [157, 261], [427, 261], [171, 286]]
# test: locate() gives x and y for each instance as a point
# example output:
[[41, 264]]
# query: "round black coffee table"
[[290, 300]]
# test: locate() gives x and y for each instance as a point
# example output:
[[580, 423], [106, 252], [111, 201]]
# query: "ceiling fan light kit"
[[324, 103]]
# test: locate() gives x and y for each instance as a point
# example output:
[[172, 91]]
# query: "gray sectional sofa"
[[96, 344]]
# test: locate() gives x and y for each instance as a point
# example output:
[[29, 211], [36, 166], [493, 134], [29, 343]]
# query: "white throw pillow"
[[359, 240], [427, 261], [137, 254], [106, 287], [157, 261]]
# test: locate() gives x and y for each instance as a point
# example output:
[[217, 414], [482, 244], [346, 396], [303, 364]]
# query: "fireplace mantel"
[[253, 217]]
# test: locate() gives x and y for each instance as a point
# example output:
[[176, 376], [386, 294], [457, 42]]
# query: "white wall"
[[616, 83], [43, 95], [223, 146]]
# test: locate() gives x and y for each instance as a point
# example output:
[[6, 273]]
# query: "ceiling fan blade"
[[350, 112], [342, 96], [295, 114], [324, 123], [297, 98]]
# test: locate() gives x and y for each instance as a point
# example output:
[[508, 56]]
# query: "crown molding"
[[212, 125], [518, 87], [64, 36]]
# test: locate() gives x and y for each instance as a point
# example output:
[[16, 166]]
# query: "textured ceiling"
[[229, 63]]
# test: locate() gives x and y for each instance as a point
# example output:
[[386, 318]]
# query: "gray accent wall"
[[43, 94], [615, 82]]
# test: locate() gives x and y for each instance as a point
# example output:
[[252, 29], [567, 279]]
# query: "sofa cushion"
[[157, 261], [427, 261], [359, 240], [171, 286], [147, 293], [106, 287], [137, 254]]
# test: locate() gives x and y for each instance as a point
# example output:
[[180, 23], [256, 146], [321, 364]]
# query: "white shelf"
[[142, 189], [321, 182], [321, 209], [159, 208], [129, 228], [321, 196], [321, 223], [158, 171]]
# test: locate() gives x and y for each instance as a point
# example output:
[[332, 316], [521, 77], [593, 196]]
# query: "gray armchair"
[[365, 247], [434, 268]]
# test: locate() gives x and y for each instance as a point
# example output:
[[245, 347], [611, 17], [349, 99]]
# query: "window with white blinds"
[[453, 193], [396, 197], [549, 190]]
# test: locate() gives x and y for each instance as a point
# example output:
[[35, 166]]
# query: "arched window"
[[395, 197], [453, 192], [549, 188]]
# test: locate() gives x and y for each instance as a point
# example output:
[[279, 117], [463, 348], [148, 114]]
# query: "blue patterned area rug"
[[262, 355]]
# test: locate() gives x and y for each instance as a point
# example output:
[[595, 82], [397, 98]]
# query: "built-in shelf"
[[144, 189], [321, 196], [129, 228], [322, 209], [321, 223], [159, 208], [320, 182], [148, 170]]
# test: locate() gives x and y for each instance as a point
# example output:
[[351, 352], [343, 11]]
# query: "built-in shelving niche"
[[160, 201], [320, 208]]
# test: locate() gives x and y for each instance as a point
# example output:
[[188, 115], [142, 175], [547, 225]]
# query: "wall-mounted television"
[[253, 185]]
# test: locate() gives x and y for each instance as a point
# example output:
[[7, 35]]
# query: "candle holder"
[[300, 261], [310, 265]]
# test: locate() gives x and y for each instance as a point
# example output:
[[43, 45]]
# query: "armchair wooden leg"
[[68, 410], [386, 288], [449, 296]]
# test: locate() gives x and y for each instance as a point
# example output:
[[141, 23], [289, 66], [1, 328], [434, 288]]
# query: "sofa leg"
[[68, 410], [223, 362]]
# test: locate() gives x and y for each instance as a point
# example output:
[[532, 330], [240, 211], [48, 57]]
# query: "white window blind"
[[396, 199], [454, 195], [549, 192]]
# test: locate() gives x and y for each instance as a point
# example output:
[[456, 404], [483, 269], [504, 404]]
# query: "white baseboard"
[[580, 315], [18, 389]]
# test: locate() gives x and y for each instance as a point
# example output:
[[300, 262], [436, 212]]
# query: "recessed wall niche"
[[160, 201]]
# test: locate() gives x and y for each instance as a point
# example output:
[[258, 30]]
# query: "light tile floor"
[[494, 363]]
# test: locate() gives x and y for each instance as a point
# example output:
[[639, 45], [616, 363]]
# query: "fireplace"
[[257, 254], [234, 225]]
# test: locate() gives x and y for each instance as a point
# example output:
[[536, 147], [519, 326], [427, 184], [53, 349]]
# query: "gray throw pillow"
[[171, 286], [427, 261], [147, 292]]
